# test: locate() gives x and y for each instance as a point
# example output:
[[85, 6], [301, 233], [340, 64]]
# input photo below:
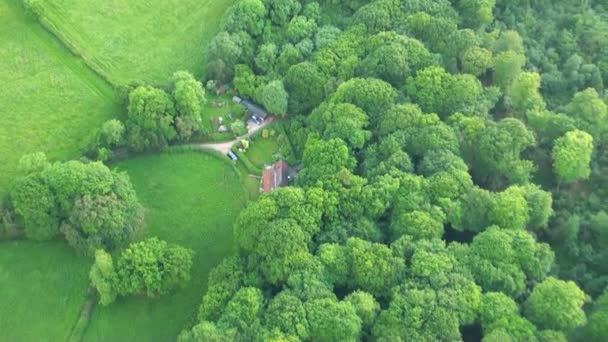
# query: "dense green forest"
[[453, 172], [451, 156]]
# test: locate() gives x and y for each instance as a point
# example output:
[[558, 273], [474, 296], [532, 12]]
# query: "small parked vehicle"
[[232, 155]]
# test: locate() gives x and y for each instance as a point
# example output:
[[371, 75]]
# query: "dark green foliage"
[[306, 87], [90, 205], [36, 205]]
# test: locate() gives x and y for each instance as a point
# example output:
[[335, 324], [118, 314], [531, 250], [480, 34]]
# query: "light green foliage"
[[336, 262], [416, 132], [326, 35], [589, 110], [35, 203], [343, 120], [494, 307], [476, 60], [437, 91], [502, 260], [393, 57], [572, 156], [246, 15], [556, 304], [286, 313], [377, 16], [238, 128], [473, 210], [279, 249], [416, 315], [510, 209], [274, 98], [507, 67], [189, 96], [323, 158], [207, 332], [266, 57], [509, 40], [373, 267], [32, 163], [103, 277], [244, 80], [244, 313], [111, 135], [224, 281], [552, 336], [365, 305], [524, 93], [153, 267], [331, 320], [300, 28], [433, 30], [418, 224], [95, 207], [149, 119], [372, 95], [539, 204]]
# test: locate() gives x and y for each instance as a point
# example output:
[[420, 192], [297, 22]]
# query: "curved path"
[[224, 147]]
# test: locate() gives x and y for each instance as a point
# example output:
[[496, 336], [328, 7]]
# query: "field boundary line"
[[52, 41]]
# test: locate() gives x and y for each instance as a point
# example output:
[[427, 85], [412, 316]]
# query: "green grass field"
[[50, 101], [43, 288], [138, 39], [192, 199], [262, 150]]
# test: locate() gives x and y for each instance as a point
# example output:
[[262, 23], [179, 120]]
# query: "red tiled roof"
[[275, 176]]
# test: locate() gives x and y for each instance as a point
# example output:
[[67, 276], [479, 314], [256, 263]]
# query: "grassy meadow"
[[50, 100], [44, 286], [138, 39], [192, 199]]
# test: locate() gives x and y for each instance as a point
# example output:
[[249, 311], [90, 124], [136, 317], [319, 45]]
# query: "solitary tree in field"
[[572, 155]]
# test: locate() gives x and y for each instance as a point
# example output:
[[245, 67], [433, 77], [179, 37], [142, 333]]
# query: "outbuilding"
[[258, 114]]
